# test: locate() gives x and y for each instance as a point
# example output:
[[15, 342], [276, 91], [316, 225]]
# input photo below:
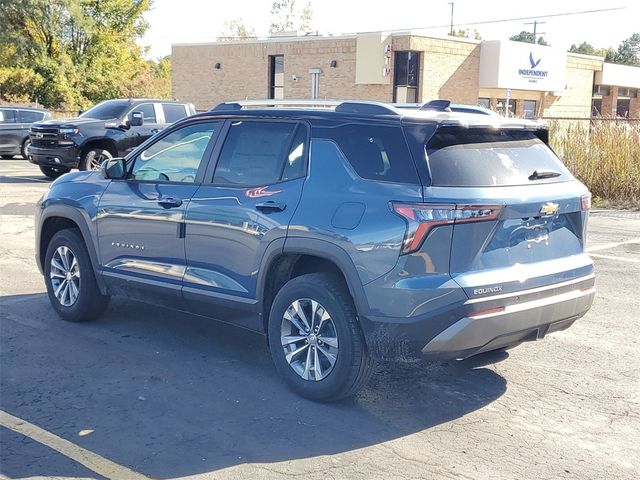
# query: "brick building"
[[526, 79]]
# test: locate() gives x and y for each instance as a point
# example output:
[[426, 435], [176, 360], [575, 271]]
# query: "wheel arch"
[[104, 143], [57, 218], [297, 256]]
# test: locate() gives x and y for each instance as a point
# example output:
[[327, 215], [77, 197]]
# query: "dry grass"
[[604, 155]]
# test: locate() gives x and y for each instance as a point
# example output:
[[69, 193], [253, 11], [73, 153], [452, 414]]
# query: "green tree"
[[628, 52], [84, 50], [466, 33], [586, 48], [285, 16], [527, 37], [236, 29]]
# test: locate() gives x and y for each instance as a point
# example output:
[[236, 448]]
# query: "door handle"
[[271, 206], [169, 202], [155, 130]]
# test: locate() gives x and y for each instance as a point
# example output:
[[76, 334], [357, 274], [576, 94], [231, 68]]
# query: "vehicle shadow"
[[29, 179], [171, 395]]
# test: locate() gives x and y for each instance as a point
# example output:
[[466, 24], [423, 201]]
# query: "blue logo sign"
[[533, 73], [534, 64]]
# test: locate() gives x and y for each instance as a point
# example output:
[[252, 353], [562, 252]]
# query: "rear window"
[[7, 116], [173, 112], [375, 152], [464, 157]]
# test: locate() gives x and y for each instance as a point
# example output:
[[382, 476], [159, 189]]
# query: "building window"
[[276, 76], [405, 77], [627, 92], [530, 109], [484, 102], [596, 107], [622, 109], [501, 104], [601, 90]]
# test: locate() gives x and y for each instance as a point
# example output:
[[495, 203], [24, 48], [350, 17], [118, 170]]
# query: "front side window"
[[176, 157], [107, 110], [276, 76], [173, 112], [148, 112], [261, 153]]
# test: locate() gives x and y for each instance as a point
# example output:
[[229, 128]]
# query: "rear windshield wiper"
[[540, 174]]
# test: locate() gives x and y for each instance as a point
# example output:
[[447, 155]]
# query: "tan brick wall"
[[244, 72], [449, 69], [576, 99]]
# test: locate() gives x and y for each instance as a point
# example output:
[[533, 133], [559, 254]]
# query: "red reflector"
[[489, 311]]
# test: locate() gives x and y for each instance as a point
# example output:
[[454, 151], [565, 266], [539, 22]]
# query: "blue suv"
[[345, 232]]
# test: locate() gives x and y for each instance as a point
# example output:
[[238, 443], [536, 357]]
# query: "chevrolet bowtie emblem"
[[549, 208]]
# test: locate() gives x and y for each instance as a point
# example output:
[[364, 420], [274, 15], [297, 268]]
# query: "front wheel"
[[94, 158], [71, 283], [23, 149], [53, 172], [315, 338]]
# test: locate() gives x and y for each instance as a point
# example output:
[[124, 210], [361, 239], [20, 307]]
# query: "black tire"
[[6, 157], [53, 172], [92, 159], [90, 303], [23, 149], [353, 365]]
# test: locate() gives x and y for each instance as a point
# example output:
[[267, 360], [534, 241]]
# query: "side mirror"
[[136, 120], [114, 169]]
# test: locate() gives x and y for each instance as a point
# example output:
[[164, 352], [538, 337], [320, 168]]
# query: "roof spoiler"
[[437, 105]]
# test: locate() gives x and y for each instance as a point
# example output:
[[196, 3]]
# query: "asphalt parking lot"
[[149, 393]]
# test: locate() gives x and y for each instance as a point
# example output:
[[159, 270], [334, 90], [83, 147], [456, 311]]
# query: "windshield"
[[465, 157], [107, 110]]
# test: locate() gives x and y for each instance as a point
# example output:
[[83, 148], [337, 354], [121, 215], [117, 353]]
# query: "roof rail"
[[437, 105], [351, 106]]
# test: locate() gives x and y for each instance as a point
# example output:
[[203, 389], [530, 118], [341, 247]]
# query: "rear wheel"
[[93, 159], [71, 283], [315, 338], [53, 172]]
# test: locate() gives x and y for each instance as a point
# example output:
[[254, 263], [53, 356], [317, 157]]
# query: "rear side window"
[[27, 116], [7, 116], [479, 157], [261, 153], [173, 112], [375, 152]]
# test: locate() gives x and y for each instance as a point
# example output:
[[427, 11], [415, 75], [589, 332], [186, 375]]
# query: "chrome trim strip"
[[531, 290], [541, 302]]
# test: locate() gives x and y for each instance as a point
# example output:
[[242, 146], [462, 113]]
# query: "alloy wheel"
[[96, 161], [65, 276], [309, 339]]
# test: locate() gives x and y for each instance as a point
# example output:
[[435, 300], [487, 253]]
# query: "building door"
[[405, 77], [276, 76]]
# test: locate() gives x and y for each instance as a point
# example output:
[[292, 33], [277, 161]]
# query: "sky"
[[195, 21]]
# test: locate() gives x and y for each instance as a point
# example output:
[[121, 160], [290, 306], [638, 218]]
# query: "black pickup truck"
[[109, 129]]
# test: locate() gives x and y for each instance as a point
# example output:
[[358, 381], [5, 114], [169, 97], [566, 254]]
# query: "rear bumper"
[[501, 327], [67, 157], [472, 326]]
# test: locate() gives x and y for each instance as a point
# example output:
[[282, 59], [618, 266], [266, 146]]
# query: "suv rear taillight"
[[421, 218], [585, 201]]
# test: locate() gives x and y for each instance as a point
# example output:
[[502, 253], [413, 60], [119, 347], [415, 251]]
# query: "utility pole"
[[451, 29], [535, 24]]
